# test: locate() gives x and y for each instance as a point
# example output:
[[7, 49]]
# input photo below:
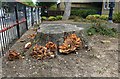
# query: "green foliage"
[[91, 31], [44, 18], [53, 7], [27, 2], [96, 16], [47, 4], [104, 17], [116, 17], [77, 19], [59, 17], [72, 17], [98, 28], [83, 12], [52, 18], [92, 18]]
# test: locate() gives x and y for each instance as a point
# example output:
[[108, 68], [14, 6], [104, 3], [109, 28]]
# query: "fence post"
[[32, 18], [38, 16], [16, 15], [25, 17]]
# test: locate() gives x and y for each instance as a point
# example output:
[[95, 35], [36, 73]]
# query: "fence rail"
[[55, 12], [16, 19]]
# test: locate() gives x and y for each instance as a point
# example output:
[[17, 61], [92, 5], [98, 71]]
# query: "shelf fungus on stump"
[[51, 46], [43, 52], [12, 55], [71, 43]]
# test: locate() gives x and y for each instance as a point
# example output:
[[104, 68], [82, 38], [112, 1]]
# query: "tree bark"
[[67, 10]]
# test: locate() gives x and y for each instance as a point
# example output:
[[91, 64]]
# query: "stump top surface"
[[58, 28]]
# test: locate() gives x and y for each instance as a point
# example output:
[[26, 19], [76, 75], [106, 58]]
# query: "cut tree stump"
[[57, 32]]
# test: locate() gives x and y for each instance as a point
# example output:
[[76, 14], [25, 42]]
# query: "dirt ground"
[[100, 61]]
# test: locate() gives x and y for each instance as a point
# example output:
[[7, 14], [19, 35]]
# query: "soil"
[[100, 61]]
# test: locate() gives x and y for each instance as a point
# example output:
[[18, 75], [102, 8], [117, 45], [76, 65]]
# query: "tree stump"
[[57, 32]]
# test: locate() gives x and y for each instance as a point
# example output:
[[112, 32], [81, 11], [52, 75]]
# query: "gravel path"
[[100, 61]]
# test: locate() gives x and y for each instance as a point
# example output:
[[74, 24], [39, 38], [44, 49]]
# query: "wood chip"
[[28, 45], [105, 41]]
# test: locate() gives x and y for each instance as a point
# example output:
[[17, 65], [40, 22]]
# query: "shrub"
[[116, 17], [53, 7], [44, 18], [72, 17], [92, 17], [96, 16], [98, 28], [104, 17], [52, 18], [59, 17], [77, 19], [83, 12]]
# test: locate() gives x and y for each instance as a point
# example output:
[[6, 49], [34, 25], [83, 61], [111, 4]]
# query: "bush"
[[92, 17], [53, 7], [52, 18], [116, 17], [96, 16], [44, 18], [98, 28], [59, 17], [83, 12], [72, 17], [76, 19], [104, 17]]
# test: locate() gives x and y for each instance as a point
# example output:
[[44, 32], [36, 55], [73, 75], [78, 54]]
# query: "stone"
[[77, 53], [52, 56]]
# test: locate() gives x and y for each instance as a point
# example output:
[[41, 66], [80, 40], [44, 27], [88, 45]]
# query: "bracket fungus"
[[71, 43]]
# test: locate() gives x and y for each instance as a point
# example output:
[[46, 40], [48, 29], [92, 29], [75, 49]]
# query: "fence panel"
[[15, 19], [29, 18]]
